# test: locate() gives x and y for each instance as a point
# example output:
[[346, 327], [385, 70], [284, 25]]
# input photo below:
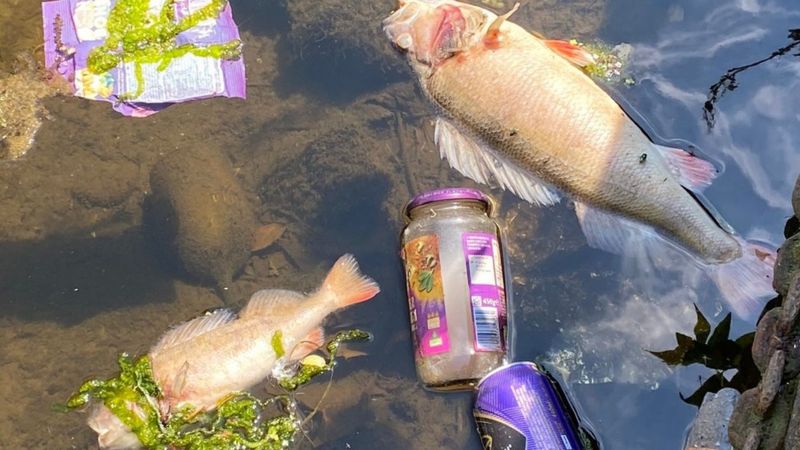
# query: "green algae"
[[609, 62], [308, 371], [236, 423], [240, 421], [134, 385], [137, 36], [277, 344]]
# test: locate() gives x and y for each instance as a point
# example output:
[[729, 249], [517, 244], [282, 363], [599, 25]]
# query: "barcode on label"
[[487, 328]]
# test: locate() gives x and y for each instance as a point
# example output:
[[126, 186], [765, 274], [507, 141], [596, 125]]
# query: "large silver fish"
[[201, 361], [518, 111]]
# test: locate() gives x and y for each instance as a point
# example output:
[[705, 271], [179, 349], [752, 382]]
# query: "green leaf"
[[702, 328], [721, 332], [676, 356], [745, 341], [670, 357], [684, 341]]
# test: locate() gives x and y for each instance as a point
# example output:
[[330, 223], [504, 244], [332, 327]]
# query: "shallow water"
[[333, 139]]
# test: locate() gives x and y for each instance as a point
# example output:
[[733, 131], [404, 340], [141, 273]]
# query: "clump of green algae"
[[237, 422], [137, 36], [609, 62]]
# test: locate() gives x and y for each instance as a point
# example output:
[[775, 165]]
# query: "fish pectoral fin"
[[179, 382], [573, 53], [492, 36], [693, 173], [267, 301], [309, 344], [611, 232], [193, 328], [480, 162]]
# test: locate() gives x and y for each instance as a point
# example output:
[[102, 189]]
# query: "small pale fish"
[[203, 360], [518, 111]]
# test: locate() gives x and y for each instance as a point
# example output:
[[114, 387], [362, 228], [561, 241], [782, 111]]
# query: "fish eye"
[[404, 41]]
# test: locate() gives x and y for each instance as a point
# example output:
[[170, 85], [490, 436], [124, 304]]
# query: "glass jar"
[[455, 280]]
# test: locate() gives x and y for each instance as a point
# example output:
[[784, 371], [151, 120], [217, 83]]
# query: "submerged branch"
[[728, 81]]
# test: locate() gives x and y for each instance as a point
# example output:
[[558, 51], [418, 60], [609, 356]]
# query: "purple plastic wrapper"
[[517, 408], [72, 28]]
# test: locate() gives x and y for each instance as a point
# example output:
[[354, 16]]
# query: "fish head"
[[432, 31], [112, 434]]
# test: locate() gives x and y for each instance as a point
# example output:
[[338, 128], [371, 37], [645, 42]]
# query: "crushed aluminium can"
[[518, 408]]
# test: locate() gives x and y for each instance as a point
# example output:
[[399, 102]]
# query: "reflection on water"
[[332, 141]]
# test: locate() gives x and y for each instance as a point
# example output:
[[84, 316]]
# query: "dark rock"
[[787, 265], [763, 343], [775, 422], [796, 198], [743, 418], [198, 211]]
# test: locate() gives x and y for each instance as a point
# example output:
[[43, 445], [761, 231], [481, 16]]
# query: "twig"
[[728, 81]]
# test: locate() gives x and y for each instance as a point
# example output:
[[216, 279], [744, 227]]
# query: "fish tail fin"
[[347, 284], [746, 282]]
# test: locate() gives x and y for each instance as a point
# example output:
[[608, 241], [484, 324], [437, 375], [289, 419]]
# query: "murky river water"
[[333, 139]]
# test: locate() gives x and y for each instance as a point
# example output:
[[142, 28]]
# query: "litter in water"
[[456, 287], [144, 55]]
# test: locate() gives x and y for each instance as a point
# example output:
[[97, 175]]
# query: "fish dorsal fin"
[[481, 163], [573, 53], [194, 328], [309, 344], [493, 31], [692, 172], [266, 301]]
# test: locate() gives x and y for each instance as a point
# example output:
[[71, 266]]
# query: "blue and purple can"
[[518, 408]]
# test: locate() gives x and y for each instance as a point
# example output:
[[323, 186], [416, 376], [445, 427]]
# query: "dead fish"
[[201, 361], [518, 111]]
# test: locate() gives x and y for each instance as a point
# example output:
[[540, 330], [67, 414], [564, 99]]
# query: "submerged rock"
[[771, 427], [199, 212]]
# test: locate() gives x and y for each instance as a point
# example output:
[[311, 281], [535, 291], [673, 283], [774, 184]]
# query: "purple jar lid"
[[444, 194]]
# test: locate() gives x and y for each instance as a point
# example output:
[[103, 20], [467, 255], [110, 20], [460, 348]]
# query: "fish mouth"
[[398, 26], [432, 30]]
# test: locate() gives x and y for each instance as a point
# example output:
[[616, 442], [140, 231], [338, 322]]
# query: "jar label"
[[486, 290], [426, 295]]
